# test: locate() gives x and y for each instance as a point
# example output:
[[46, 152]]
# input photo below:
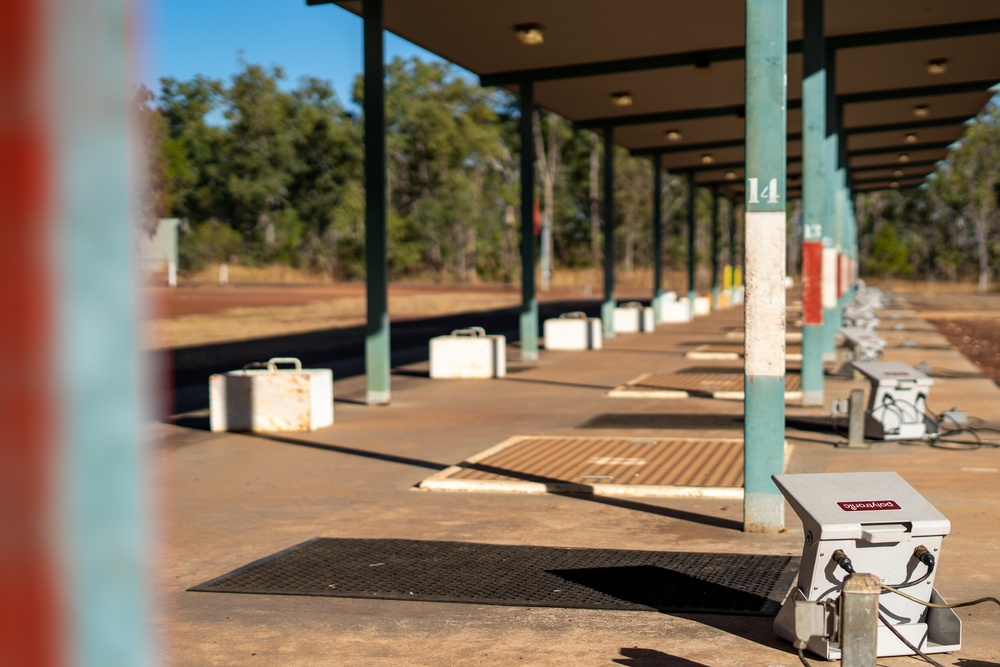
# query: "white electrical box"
[[702, 305], [878, 521], [573, 331], [266, 398], [897, 401], [865, 345], [468, 354], [633, 317]]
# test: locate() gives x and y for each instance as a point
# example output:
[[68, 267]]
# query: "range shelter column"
[[766, 217], [831, 155], [657, 236], [715, 248], [377, 349], [692, 191], [814, 190], [529, 300], [608, 305]]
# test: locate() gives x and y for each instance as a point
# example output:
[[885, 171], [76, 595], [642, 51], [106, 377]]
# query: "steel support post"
[[845, 214], [715, 248], [377, 352], [831, 319], [859, 620], [529, 300], [765, 225], [608, 305], [97, 484], [814, 189], [692, 233], [657, 236], [732, 250]]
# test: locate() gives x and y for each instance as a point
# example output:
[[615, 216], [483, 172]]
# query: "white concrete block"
[[702, 305], [271, 399], [674, 311], [573, 331], [739, 296], [632, 317], [468, 353]]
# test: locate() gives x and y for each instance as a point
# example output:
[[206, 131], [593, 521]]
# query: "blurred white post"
[[223, 274], [171, 274]]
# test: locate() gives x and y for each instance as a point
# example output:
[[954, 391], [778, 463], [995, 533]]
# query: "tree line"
[[263, 172]]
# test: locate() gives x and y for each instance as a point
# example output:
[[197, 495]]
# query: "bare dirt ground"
[[197, 314], [970, 322]]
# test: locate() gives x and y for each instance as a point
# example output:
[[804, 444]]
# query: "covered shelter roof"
[[909, 74]]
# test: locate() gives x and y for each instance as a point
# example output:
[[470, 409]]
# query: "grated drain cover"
[[512, 575]]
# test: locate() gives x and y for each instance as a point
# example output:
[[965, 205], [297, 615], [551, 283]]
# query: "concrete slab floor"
[[229, 499]]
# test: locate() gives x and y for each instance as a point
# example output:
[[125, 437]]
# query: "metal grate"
[[721, 383], [512, 575], [608, 466]]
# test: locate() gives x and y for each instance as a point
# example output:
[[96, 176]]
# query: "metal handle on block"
[[272, 363], [632, 304], [575, 315], [475, 332]]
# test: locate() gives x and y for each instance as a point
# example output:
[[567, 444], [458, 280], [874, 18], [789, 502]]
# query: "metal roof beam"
[[731, 53]]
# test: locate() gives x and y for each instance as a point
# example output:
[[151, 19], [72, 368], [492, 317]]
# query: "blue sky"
[[182, 38]]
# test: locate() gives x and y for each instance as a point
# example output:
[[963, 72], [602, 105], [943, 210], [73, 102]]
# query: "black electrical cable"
[[802, 658], [906, 641], [935, 605]]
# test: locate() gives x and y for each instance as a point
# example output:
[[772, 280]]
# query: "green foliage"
[[209, 242], [268, 171]]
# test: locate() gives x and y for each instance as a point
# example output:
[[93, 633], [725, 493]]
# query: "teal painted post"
[[657, 236], [529, 300], [733, 257], [831, 156], [608, 305], [814, 190], [377, 354], [715, 247], [765, 224], [692, 230], [99, 488]]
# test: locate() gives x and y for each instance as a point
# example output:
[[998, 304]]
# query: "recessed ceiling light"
[[898, 173], [921, 110], [531, 34], [904, 158], [730, 175], [621, 99], [911, 138], [707, 158], [894, 185], [937, 66], [673, 135]]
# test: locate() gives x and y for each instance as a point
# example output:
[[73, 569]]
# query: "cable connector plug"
[[924, 555], [841, 559]]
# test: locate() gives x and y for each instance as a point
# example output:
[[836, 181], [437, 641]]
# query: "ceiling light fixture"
[[904, 158], [621, 99], [898, 173], [911, 138], [673, 135], [937, 66], [707, 158], [730, 175], [894, 185], [531, 34], [921, 110]]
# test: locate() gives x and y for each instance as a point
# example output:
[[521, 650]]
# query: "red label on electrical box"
[[869, 505]]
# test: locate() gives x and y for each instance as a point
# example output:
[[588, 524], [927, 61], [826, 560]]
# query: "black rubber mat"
[[519, 576]]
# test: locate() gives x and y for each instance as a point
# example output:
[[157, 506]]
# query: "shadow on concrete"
[[343, 349], [556, 383], [647, 657], [665, 421], [825, 424], [965, 662], [752, 628]]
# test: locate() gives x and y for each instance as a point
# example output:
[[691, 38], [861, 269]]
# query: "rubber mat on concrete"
[[651, 467], [512, 575], [735, 351], [717, 383]]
